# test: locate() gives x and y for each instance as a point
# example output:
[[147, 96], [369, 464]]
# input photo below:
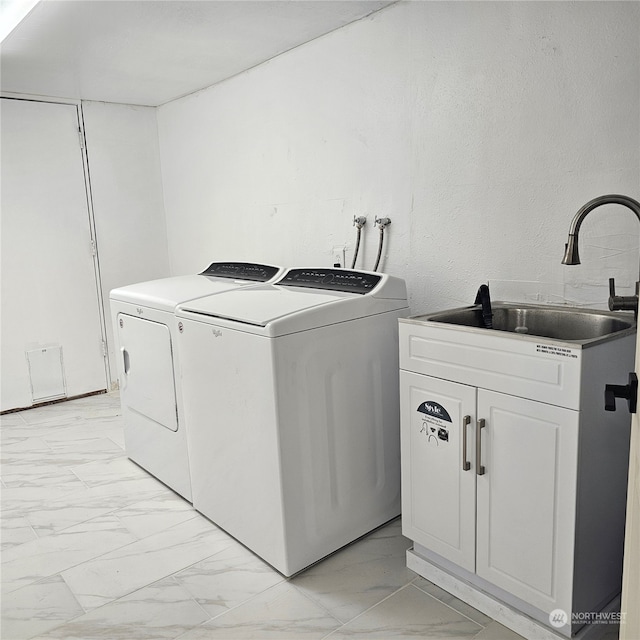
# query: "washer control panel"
[[332, 279], [241, 271]]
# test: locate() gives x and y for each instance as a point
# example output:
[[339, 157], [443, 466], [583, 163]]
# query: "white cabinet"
[[511, 461], [514, 495]]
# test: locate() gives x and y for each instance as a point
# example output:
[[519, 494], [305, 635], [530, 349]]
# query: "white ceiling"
[[148, 52]]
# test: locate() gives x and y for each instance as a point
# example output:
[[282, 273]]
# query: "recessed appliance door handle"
[[125, 360], [466, 421], [480, 424]]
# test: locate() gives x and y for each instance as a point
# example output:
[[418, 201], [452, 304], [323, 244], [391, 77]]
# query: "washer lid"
[[262, 304], [274, 310], [166, 293]]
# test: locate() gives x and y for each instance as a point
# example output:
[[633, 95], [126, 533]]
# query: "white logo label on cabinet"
[[558, 618]]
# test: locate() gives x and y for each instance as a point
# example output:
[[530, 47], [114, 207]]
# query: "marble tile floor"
[[94, 547]]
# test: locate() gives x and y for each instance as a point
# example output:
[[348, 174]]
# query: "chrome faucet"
[[616, 303]]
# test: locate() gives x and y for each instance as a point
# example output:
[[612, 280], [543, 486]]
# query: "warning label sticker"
[[552, 350]]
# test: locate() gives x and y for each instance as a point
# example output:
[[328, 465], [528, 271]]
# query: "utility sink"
[[565, 324]]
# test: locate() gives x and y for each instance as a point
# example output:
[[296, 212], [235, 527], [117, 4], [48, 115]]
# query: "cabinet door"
[[526, 498], [438, 488]]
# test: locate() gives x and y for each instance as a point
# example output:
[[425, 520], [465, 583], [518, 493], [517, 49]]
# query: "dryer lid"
[[167, 293]]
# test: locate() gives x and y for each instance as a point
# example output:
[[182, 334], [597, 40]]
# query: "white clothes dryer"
[[145, 331], [294, 442]]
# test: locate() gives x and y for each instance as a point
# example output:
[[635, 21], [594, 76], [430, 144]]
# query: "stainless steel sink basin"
[[566, 324]]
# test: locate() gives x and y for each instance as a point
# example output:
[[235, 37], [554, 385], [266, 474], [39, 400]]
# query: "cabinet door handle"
[[466, 421], [479, 427]]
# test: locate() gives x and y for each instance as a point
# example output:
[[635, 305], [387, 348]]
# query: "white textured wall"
[[126, 187], [479, 128]]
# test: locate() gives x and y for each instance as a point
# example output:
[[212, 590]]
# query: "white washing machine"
[[294, 443], [145, 331]]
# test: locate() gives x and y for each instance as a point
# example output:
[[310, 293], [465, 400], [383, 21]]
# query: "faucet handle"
[[623, 303]]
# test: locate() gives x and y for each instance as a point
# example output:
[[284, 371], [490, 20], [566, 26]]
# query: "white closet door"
[[51, 325]]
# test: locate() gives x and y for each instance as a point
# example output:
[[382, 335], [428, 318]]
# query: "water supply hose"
[[382, 223], [358, 222], [380, 243]]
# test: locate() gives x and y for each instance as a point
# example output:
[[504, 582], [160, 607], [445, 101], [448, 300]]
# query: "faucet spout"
[[571, 255], [571, 248]]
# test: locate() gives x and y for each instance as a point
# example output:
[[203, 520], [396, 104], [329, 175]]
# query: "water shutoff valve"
[[359, 221], [629, 392]]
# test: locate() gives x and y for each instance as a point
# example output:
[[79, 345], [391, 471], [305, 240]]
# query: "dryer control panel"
[[241, 271], [331, 279]]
